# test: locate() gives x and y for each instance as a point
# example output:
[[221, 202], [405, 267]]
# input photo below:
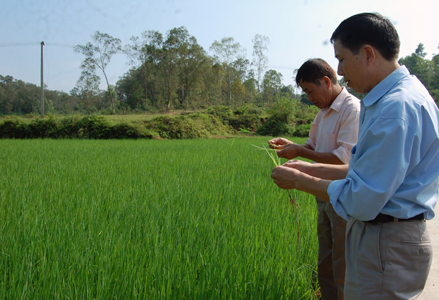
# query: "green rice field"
[[151, 219]]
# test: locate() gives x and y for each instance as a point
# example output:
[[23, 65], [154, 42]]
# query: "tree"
[[87, 89], [218, 74], [19, 97], [141, 54], [435, 67], [419, 66], [287, 92], [240, 68], [260, 60], [434, 88], [98, 54], [130, 90], [62, 102], [226, 52], [7, 94], [238, 90], [27, 97], [250, 90], [272, 85], [420, 51], [192, 57], [171, 66], [170, 57]]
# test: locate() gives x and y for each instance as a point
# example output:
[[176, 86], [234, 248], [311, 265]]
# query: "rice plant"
[[149, 219]]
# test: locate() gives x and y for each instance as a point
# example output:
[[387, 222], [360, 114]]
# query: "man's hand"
[[289, 178], [300, 165], [278, 143], [290, 151], [285, 178]]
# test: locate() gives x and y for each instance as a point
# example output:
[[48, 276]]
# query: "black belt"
[[386, 218]]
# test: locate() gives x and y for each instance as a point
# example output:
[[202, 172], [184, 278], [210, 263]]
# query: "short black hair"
[[368, 29], [313, 70]]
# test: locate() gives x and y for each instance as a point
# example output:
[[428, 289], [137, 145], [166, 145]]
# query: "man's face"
[[319, 95], [350, 66]]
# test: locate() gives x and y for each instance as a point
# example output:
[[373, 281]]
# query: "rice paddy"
[[151, 219]]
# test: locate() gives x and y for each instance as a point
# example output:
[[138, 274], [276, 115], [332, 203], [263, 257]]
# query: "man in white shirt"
[[333, 134]]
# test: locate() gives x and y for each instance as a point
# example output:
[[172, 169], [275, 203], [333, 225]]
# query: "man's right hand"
[[299, 165], [290, 151], [279, 143]]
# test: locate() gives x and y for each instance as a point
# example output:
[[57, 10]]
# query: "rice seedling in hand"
[[277, 162], [272, 153], [293, 201]]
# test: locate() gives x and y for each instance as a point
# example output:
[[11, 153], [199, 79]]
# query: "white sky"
[[297, 29]]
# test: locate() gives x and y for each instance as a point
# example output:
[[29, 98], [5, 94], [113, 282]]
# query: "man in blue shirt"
[[391, 184]]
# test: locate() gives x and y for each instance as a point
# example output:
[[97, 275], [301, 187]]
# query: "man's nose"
[[340, 70]]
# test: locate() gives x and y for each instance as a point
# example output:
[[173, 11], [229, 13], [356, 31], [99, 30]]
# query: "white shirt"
[[335, 129]]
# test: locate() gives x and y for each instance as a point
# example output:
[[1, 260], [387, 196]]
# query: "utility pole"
[[42, 82]]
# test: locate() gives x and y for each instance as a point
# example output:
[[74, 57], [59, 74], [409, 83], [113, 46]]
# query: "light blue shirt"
[[394, 167]]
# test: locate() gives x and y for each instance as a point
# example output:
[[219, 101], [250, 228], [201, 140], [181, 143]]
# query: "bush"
[[305, 114], [283, 109], [245, 117], [248, 109], [211, 123], [275, 126], [302, 130], [91, 127], [69, 127], [43, 128], [188, 126], [29, 116], [247, 122], [281, 121], [13, 129], [221, 111], [125, 130], [218, 120], [179, 127]]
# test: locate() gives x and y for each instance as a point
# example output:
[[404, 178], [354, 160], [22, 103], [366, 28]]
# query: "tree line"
[[172, 71], [168, 71]]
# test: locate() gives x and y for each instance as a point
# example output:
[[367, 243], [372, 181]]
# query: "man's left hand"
[[290, 151], [285, 177]]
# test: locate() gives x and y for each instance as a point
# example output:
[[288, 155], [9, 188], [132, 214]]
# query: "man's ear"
[[370, 54], [327, 81]]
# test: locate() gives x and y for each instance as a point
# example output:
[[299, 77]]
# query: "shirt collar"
[[384, 86], [338, 102]]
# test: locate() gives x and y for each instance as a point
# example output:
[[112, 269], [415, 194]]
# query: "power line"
[[35, 43], [60, 45], [19, 44]]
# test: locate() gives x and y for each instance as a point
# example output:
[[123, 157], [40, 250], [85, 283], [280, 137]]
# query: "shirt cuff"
[[335, 189], [343, 154]]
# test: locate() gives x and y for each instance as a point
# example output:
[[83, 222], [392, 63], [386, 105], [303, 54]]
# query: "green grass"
[[115, 118], [136, 117], [149, 219]]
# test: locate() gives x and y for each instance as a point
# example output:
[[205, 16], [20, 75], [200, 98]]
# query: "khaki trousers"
[[386, 260], [331, 232]]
